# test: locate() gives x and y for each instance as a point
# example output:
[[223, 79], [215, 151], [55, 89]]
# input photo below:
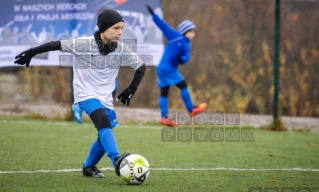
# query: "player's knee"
[[182, 85], [164, 91], [100, 119]]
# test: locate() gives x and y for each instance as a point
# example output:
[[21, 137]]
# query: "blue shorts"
[[91, 105], [168, 77]]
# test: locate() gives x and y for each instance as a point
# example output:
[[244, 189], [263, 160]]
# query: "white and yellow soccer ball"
[[134, 169]]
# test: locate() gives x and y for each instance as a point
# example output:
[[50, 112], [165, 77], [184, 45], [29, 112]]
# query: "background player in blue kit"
[[177, 52], [93, 84]]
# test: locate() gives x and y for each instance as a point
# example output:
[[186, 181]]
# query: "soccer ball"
[[134, 169]]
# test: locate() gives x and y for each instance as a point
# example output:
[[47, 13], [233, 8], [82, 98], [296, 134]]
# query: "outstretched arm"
[[25, 57], [169, 32]]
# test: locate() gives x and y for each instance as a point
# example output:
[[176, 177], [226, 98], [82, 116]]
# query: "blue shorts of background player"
[[168, 77]]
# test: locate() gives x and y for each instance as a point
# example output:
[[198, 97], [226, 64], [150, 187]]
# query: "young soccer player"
[[94, 81], [177, 52]]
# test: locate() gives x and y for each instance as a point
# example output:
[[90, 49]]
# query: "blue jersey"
[[177, 44]]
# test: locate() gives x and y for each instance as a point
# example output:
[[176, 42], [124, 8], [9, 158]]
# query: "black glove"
[[25, 57], [126, 95], [150, 9], [179, 58]]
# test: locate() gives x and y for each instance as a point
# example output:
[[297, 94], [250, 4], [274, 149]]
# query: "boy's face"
[[190, 34], [114, 33]]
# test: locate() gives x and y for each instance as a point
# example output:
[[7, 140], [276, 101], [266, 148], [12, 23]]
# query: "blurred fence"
[[231, 67]]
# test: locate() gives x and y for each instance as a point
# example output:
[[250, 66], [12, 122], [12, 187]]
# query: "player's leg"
[[101, 120], [186, 96], [97, 150], [77, 113], [103, 124], [164, 82], [163, 101], [163, 104], [96, 153], [192, 109], [117, 160]]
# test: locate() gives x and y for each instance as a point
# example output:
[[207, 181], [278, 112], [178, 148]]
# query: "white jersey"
[[94, 74]]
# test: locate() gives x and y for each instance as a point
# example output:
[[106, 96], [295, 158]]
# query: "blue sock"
[[109, 144], [163, 103], [187, 99], [95, 155]]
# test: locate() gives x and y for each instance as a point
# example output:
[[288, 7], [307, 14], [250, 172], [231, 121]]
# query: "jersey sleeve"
[[67, 45], [169, 32]]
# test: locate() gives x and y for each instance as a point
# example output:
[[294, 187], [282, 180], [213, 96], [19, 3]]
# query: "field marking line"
[[167, 169], [70, 124]]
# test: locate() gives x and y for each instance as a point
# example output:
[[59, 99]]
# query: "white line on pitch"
[[168, 169]]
